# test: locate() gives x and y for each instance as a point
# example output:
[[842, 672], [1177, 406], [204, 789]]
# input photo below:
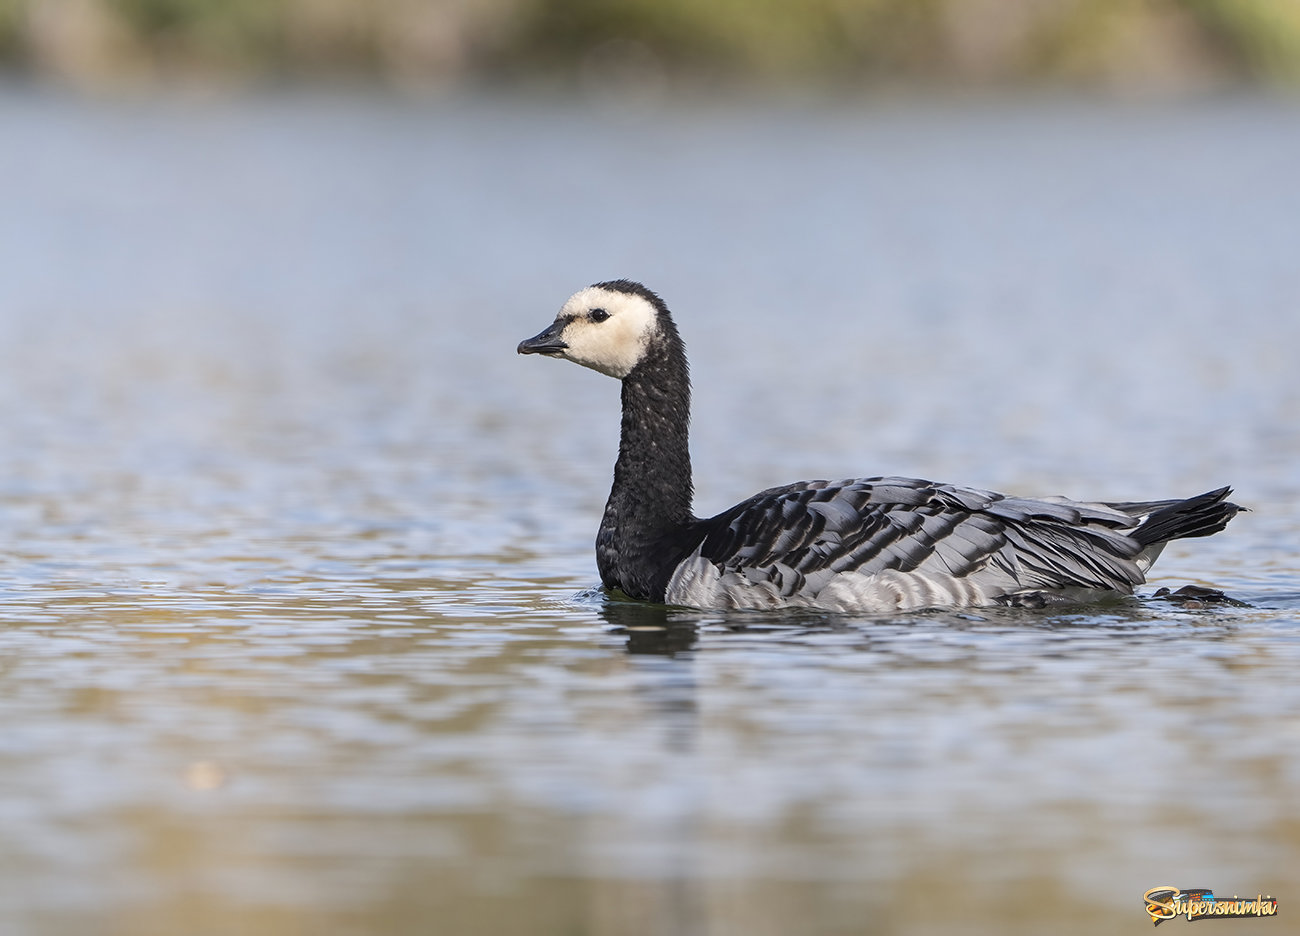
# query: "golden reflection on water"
[[306, 760]]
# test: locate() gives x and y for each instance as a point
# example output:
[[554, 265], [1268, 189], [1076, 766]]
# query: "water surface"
[[297, 628]]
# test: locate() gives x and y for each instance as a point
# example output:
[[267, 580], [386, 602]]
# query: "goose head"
[[609, 327]]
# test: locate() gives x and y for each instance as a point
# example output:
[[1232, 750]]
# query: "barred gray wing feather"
[[794, 540]]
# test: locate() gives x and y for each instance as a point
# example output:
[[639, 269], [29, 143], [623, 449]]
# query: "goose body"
[[865, 544]]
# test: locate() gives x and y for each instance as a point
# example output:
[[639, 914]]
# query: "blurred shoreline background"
[[1137, 47]]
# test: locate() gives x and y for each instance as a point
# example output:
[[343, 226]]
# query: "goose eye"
[[598, 315]]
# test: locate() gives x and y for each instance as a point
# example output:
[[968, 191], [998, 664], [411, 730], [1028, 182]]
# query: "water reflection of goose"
[[873, 544], [653, 629]]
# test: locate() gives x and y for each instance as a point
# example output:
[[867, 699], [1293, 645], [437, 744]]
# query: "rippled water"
[[297, 631]]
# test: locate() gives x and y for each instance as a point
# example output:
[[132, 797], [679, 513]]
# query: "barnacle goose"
[[867, 544]]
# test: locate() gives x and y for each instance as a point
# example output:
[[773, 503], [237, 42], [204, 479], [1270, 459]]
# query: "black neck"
[[652, 478], [650, 501]]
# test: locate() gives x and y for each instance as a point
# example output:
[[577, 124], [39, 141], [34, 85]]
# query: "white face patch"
[[613, 346]]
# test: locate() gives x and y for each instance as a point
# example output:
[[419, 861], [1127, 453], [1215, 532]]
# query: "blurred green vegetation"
[[1139, 44]]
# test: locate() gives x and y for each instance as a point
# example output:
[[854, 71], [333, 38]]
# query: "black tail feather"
[[1197, 516]]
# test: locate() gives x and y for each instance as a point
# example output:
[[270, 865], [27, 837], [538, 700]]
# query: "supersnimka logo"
[[1199, 903]]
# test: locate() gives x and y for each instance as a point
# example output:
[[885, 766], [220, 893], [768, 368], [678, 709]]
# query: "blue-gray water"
[[295, 629]]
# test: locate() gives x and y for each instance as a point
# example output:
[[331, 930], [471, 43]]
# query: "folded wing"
[[829, 544]]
